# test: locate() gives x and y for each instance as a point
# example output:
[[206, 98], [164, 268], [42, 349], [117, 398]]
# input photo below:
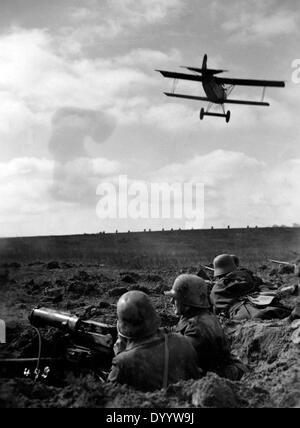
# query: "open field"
[[156, 249], [87, 274]]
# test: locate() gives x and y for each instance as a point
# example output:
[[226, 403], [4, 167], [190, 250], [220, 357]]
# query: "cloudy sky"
[[81, 104]]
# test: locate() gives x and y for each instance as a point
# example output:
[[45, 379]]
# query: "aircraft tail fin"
[[204, 63], [204, 69]]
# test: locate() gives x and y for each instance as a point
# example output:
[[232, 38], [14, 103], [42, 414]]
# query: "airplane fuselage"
[[214, 91]]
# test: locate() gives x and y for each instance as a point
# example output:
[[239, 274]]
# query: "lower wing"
[[191, 97]]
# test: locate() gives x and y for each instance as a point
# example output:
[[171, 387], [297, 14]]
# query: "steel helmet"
[[190, 290], [136, 315], [236, 260], [224, 264]]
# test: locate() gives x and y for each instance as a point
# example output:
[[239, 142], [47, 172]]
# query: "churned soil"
[[269, 348]]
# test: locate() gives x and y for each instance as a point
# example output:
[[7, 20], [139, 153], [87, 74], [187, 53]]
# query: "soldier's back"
[[143, 365], [229, 289], [205, 332]]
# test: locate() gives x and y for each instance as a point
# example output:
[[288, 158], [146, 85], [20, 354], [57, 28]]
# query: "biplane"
[[217, 89]]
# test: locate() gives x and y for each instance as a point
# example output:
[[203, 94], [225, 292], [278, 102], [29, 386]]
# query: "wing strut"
[[263, 94], [174, 86]]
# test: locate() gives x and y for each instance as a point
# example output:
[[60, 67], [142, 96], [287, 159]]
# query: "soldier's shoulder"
[[176, 336], [228, 279], [246, 271], [238, 275], [180, 341], [120, 360]]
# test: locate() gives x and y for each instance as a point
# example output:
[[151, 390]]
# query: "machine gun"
[[295, 265], [87, 344], [203, 274], [210, 269]]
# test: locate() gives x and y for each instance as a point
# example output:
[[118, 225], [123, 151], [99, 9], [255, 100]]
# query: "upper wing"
[[224, 80], [250, 82], [183, 76], [192, 97]]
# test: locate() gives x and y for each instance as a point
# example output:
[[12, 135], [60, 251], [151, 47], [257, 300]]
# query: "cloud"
[[126, 12], [21, 128], [38, 186], [212, 168], [254, 21], [171, 117], [71, 126], [102, 22], [27, 206], [283, 190], [37, 74], [75, 172], [36, 80], [149, 58], [62, 94], [26, 168], [146, 11], [24, 183], [76, 181], [241, 190]]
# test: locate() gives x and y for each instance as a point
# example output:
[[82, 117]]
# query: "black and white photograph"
[[149, 206]]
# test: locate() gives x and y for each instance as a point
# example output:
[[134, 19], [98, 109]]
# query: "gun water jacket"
[[155, 362]]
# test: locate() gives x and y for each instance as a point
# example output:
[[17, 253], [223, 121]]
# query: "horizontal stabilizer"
[[205, 70], [183, 76]]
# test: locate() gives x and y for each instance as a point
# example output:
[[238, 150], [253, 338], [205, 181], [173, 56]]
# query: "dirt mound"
[[117, 291], [79, 288], [53, 265], [273, 358], [286, 270], [12, 265], [209, 392], [269, 348], [152, 278], [138, 287], [130, 278], [23, 342]]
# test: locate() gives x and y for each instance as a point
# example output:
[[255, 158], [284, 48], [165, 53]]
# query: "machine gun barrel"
[[281, 263], [46, 317], [86, 336], [207, 268]]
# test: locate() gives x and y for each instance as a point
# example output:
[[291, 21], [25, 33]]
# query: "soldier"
[[296, 311], [231, 293], [149, 359], [260, 284], [202, 328]]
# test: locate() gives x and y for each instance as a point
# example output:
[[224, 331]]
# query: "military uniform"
[[204, 331], [229, 289], [144, 364], [229, 297]]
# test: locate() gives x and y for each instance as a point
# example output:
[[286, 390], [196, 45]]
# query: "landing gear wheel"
[[228, 116], [202, 112]]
